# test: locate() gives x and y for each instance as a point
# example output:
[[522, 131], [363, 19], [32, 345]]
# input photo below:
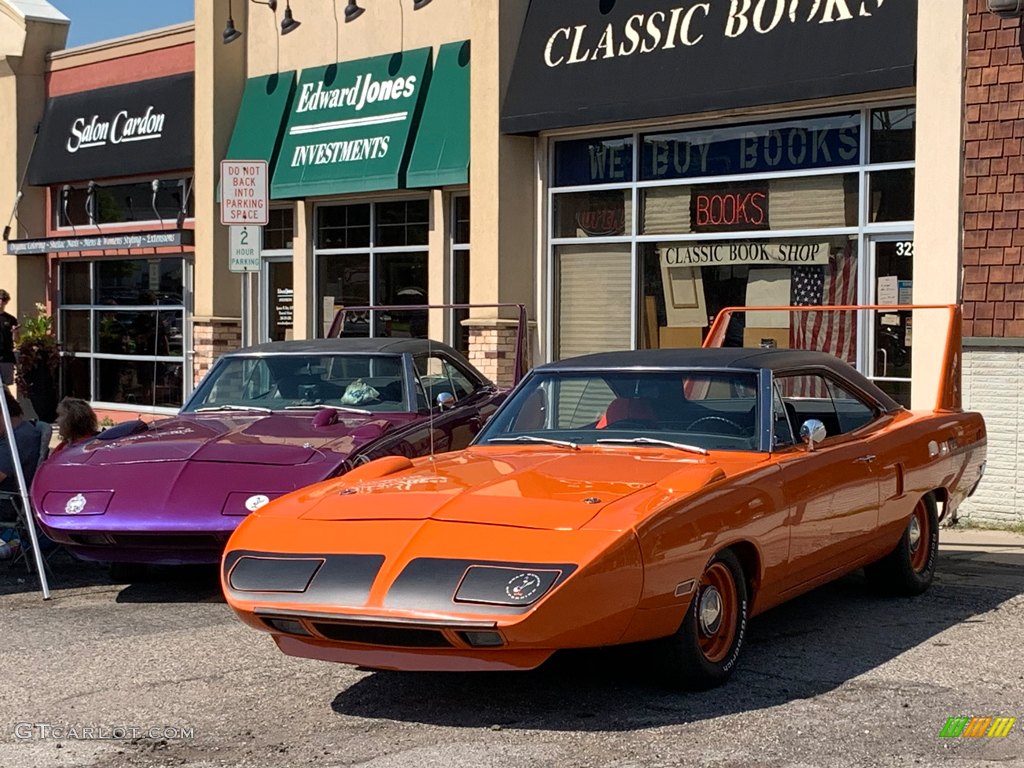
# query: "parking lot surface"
[[159, 672]]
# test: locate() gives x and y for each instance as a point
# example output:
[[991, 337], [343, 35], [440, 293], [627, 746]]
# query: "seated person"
[[27, 439], [76, 421]]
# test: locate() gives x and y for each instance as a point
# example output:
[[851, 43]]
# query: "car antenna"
[[430, 406]]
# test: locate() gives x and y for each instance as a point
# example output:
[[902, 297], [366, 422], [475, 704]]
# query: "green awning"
[[440, 155], [350, 125], [260, 123]]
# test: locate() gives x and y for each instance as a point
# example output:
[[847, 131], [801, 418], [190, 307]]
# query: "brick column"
[[211, 338], [492, 348]]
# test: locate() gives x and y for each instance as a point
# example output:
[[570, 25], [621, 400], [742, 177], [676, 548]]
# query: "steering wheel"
[[739, 430]]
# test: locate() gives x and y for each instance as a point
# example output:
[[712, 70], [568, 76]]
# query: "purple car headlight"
[[74, 503], [500, 585]]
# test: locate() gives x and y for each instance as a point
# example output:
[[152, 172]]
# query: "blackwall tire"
[[910, 568], [703, 652]]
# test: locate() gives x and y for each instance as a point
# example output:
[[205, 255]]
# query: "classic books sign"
[[350, 125], [124, 241], [583, 62], [138, 128]]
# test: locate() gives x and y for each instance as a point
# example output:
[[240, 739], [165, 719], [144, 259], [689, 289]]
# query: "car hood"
[[272, 439], [529, 488]]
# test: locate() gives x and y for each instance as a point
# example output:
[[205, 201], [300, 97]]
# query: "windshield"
[[693, 411], [367, 383]]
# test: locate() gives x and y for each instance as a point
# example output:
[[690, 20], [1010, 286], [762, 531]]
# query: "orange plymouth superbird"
[[663, 495]]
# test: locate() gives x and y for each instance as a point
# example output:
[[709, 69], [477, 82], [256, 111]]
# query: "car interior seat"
[[623, 412]]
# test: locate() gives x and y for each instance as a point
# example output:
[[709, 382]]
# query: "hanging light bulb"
[[353, 11], [230, 33], [288, 23]]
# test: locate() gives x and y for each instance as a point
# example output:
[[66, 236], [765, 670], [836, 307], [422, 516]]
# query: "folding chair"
[[12, 512]]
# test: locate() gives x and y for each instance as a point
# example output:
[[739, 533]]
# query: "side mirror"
[[812, 432], [445, 400]]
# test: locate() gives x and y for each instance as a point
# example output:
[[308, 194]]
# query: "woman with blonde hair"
[[76, 421]]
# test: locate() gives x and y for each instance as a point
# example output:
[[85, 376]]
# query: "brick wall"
[[993, 278], [211, 339], [993, 275]]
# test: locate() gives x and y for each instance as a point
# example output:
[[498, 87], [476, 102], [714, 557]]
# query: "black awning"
[[140, 128], [587, 62]]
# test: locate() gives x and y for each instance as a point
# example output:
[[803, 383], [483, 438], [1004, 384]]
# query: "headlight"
[[496, 585], [74, 503]]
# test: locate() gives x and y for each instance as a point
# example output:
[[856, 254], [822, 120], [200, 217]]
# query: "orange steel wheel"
[[716, 612], [920, 535]]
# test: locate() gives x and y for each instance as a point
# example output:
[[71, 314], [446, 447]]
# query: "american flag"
[[832, 332]]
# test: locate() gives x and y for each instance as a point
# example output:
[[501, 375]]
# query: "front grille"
[[395, 637], [168, 541]]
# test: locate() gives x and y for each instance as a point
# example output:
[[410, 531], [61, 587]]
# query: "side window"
[[462, 385], [853, 412], [437, 375], [807, 396], [782, 430], [816, 397]]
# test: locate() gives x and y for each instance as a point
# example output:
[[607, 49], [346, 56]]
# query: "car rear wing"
[[949, 396], [338, 324]]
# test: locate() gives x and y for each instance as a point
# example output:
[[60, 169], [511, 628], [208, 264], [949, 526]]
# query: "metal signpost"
[[244, 257], [25, 498]]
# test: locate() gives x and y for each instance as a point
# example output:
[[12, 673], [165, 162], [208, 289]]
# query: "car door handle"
[[866, 459]]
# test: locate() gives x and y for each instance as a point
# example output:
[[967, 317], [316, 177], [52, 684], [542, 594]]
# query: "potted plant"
[[38, 358]]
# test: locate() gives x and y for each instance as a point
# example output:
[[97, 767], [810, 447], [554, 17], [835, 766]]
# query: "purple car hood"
[[241, 438]]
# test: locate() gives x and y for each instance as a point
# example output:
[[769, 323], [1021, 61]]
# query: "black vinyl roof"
[[740, 358], [356, 346]]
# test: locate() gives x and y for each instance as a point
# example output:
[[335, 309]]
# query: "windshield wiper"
[[655, 441], [325, 405], [226, 407], [532, 439]]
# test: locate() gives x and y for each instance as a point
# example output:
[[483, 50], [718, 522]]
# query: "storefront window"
[[280, 230], [594, 299], [125, 333], [893, 135], [593, 214], [84, 205], [593, 161], [769, 214], [819, 142], [355, 269]]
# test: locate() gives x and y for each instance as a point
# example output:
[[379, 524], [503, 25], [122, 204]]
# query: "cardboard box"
[[680, 338], [770, 338]]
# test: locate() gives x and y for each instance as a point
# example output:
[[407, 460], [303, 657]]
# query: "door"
[[277, 301], [832, 492], [891, 334]]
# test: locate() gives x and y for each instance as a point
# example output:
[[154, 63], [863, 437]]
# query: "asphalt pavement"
[[159, 672]]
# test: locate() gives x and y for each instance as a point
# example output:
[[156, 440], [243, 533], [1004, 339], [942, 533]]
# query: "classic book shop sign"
[[584, 62], [138, 128]]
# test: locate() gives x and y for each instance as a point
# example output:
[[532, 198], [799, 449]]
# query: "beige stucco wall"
[[502, 173], [220, 80], [24, 44], [937, 199]]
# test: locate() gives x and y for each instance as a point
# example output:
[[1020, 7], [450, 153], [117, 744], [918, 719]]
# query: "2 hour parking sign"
[[243, 192]]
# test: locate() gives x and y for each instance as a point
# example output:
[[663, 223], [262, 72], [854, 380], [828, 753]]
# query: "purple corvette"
[[265, 420]]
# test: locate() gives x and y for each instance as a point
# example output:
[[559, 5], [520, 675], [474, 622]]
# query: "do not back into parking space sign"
[[243, 192]]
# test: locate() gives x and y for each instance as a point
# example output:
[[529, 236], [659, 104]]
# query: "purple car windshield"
[[366, 383]]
